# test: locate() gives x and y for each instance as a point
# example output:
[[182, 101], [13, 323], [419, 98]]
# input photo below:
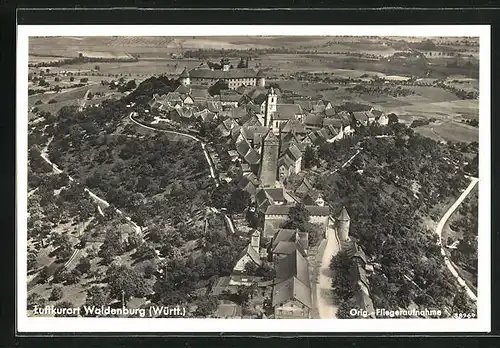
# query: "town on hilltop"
[[238, 191]]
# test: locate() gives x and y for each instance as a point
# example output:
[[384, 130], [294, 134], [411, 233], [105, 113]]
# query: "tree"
[[266, 272], [310, 157], [131, 85], [217, 87], [250, 268], [239, 201], [112, 246], [392, 118], [64, 304], [206, 306], [84, 265], [460, 303], [96, 296], [128, 280], [341, 282], [297, 217], [35, 299], [56, 294], [72, 79]]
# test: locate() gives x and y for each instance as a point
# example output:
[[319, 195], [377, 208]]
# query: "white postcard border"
[[147, 325]]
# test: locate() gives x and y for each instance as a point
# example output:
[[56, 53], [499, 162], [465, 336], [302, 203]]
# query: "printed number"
[[463, 315]]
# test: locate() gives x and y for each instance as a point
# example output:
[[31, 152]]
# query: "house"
[[364, 118], [230, 100], [360, 118], [249, 183], [291, 296], [296, 156], [304, 187], [228, 310], [313, 120], [293, 126], [214, 106], [249, 255], [282, 243], [306, 105], [284, 113], [381, 117], [286, 167]]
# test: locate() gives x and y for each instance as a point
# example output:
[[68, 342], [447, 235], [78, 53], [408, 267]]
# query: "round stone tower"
[[343, 225], [261, 79], [255, 241]]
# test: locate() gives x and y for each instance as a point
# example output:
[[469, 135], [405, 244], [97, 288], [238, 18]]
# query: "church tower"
[[344, 222], [268, 171], [271, 102], [255, 241], [184, 78]]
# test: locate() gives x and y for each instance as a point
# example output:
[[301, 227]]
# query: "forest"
[[389, 189]]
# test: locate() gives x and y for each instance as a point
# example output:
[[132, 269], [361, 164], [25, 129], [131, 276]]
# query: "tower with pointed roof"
[[271, 101], [268, 170], [261, 79], [343, 225], [184, 78]]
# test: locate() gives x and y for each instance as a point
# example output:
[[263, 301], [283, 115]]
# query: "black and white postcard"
[[199, 178]]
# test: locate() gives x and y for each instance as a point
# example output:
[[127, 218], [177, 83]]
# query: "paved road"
[[324, 301], [439, 230]]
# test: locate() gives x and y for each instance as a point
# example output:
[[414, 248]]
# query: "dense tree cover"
[[342, 284], [151, 178], [35, 299], [56, 294], [217, 87], [206, 306], [153, 85], [125, 281], [311, 158], [466, 253], [298, 218], [387, 214]]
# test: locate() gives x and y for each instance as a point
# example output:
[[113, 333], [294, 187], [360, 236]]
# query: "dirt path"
[[439, 230]]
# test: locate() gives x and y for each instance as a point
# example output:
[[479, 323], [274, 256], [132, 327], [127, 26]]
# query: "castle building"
[[234, 78], [268, 171]]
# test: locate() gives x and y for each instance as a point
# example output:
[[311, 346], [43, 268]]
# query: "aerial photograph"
[[253, 177]]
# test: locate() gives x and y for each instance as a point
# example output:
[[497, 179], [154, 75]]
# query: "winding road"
[[439, 230]]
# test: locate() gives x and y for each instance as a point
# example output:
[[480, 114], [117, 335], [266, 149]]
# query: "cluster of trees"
[[381, 90], [298, 218], [81, 59], [386, 217], [422, 122], [230, 197], [153, 85], [465, 254], [472, 122]]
